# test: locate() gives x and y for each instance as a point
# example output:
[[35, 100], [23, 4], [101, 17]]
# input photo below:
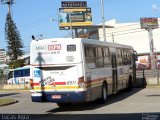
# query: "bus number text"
[[71, 82]]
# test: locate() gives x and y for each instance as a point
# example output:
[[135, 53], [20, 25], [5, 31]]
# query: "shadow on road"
[[154, 95], [95, 105], [127, 116], [8, 94]]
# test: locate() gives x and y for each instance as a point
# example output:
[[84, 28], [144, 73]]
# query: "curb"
[[15, 90], [152, 86], [16, 101]]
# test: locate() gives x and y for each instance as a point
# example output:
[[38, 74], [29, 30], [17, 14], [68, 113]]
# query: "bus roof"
[[53, 51], [83, 40], [22, 68], [97, 42]]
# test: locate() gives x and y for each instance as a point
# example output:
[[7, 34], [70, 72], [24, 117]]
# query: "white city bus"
[[19, 75], [65, 70]]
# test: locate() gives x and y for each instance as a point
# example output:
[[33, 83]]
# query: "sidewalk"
[[153, 86]]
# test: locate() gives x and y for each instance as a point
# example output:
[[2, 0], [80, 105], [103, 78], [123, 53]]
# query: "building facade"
[[2, 56], [131, 34]]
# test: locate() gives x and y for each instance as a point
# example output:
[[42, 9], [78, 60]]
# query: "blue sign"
[[36, 73]]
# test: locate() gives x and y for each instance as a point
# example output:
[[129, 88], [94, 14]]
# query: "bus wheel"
[[129, 87], [63, 104], [104, 94]]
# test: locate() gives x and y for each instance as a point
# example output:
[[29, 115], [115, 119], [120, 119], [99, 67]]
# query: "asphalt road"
[[139, 104]]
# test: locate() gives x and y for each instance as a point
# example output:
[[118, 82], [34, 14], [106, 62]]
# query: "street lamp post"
[[103, 20]]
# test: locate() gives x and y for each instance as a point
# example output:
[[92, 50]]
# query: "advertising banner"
[[75, 4], [149, 23], [143, 62], [74, 17]]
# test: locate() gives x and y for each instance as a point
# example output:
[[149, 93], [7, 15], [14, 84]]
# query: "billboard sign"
[[143, 62], [73, 4], [149, 23], [74, 17]]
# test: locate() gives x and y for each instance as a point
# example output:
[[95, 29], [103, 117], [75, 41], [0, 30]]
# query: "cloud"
[[155, 7]]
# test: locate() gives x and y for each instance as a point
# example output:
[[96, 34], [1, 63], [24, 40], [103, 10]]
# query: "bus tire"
[[63, 104], [130, 84], [104, 97]]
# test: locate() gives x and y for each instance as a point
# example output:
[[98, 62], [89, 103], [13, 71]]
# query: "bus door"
[[134, 58], [114, 73]]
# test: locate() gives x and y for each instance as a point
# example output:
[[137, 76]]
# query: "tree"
[[15, 64], [14, 41]]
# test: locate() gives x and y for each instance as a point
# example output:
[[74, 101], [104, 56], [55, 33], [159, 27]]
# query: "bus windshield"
[[22, 73]]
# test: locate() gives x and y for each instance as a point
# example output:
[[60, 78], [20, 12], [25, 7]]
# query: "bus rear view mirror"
[[135, 56]]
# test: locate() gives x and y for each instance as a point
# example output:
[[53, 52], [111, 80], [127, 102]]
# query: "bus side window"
[[129, 57], [27, 72], [107, 62], [89, 54], [22, 73], [99, 57], [16, 73], [86, 53], [124, 57], [119, 56]]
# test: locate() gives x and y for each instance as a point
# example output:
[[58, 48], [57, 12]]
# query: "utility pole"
[[103, 20], [9, 3], [112, 37], [71, 28], [150, 34]]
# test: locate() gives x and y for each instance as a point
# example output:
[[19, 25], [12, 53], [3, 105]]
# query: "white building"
[[2, 56], [131, 34]]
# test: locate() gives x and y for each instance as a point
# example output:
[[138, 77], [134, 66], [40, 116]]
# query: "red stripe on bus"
[[58, 83], [35, 84], [55, 83]]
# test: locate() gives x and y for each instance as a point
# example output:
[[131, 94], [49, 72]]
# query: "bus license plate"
[[56, 96]]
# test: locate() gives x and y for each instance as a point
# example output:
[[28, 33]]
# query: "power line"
[[123, 30], [139, 36], [125, 33], [140, 30], [130, 32]]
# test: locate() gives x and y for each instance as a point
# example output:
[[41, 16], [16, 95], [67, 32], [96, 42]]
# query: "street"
[[135, 104]]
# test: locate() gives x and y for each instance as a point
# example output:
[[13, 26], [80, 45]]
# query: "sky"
[[35, 17]]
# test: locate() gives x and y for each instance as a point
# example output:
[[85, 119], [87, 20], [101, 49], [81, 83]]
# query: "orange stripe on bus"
[[55, 87], [96, 80]]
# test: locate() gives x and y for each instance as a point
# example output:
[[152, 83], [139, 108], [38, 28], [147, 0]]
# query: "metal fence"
[[151, 76]]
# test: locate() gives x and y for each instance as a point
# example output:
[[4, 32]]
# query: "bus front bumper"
[[58, 97]]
